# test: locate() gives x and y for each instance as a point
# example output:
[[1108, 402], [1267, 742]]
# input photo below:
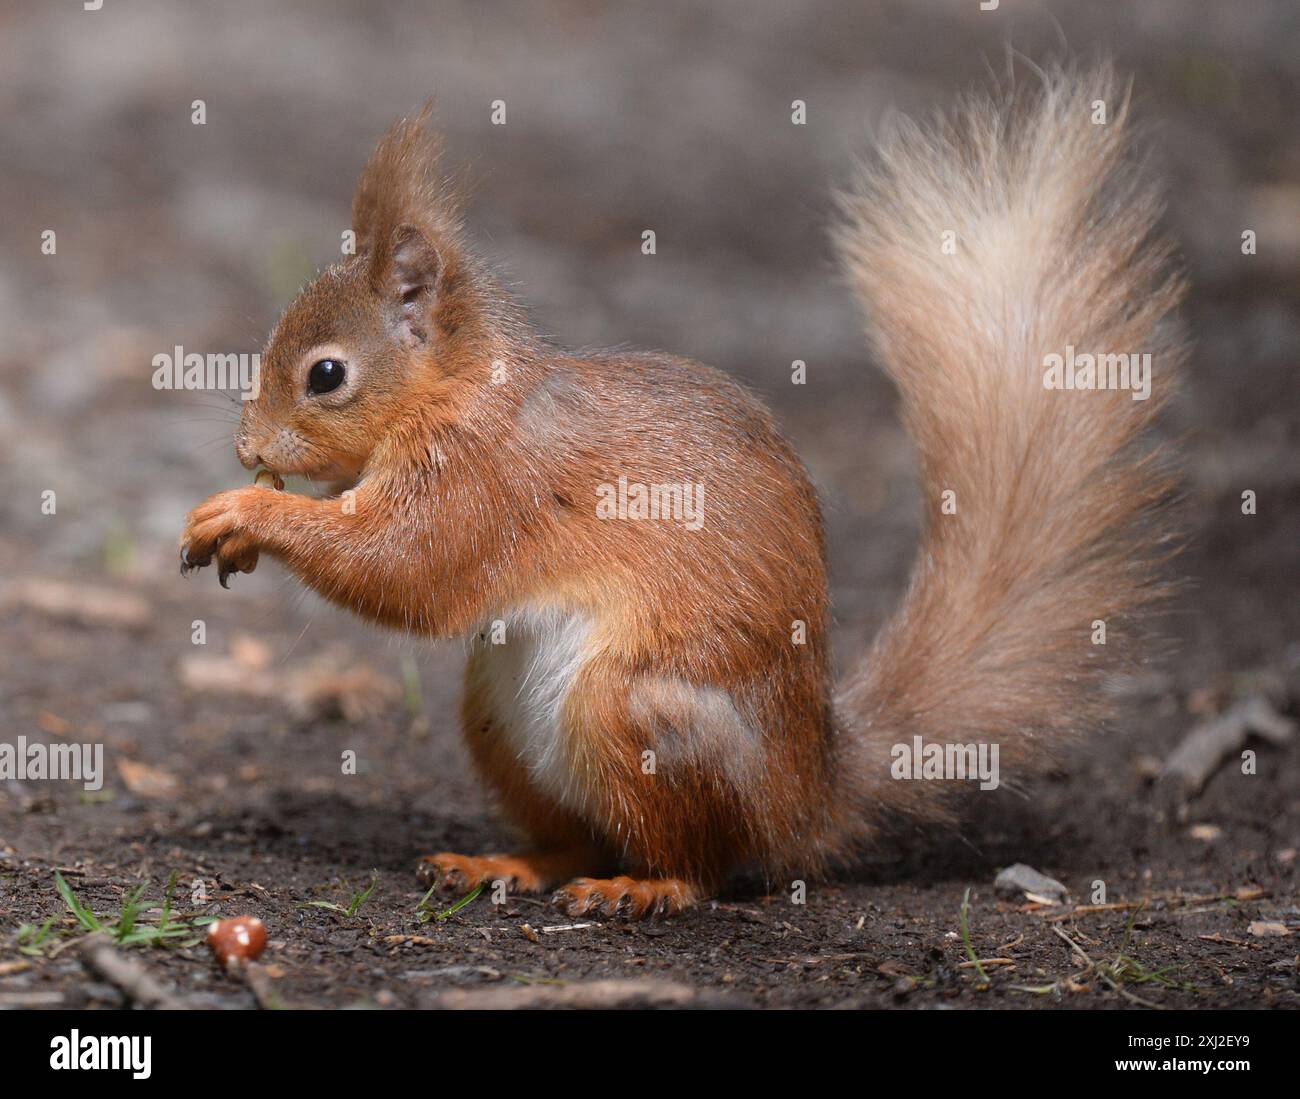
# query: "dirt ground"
[[223, 758]]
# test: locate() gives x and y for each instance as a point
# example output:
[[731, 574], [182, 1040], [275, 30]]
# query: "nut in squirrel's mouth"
[[323, 485]]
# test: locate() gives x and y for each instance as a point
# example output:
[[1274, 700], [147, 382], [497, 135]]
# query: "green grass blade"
[[364, 895], [462, 902], [965, 936], [131, 909], [168, 894], [84, 915]]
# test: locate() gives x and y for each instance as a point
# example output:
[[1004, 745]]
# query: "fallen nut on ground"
[[237, 940]]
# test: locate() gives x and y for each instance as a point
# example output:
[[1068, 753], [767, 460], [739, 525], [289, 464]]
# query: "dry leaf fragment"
[[250, 652], [330, 687], [82, 603], [224, 675], [1269, 928], [414, 940], [148, 782], [53, 724], [333, 684]]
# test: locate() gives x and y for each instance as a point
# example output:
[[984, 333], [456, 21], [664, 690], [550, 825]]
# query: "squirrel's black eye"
[[325, 375]]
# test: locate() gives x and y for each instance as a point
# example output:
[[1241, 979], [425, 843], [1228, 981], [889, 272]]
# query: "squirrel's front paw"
[[218, 528]]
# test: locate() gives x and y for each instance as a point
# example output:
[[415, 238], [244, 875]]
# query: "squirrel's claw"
[[224, 568], [188, 566]]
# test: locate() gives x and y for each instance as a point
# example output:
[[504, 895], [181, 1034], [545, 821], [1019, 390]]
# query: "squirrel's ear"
[[409, 278], [407, 221]]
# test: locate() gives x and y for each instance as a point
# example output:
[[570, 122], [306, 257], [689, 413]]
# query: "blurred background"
[[673, 116]]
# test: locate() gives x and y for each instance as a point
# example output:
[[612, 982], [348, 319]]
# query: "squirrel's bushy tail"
[[981, 245]]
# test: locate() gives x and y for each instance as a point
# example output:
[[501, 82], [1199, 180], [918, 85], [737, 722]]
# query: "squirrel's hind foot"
[[531, 872], [631, 897]]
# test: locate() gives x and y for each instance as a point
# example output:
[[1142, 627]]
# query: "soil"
[[225, 760]]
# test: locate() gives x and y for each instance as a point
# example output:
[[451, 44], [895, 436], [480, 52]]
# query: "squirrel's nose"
[[248, 457]]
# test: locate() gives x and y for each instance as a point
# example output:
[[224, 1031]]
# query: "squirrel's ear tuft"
[[407, 219], [402, 185]]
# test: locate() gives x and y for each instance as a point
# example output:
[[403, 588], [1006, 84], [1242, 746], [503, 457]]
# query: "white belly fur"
[[527, 679]]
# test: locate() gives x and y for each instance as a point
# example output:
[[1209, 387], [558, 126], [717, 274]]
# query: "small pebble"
[[1025, 879]]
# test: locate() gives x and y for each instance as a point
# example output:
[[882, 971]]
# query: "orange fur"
[[658, 698]]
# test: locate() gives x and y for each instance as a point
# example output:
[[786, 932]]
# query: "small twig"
[[1219, 937], [976, 963], [602, 994], [126, 974], [1115, 986], [260, 985], [30, 999], [1174, 900], [1073, 945], [1118, 906], [1204, 749]]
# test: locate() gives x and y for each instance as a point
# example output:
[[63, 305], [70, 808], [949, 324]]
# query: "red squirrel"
[[649, 693]]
